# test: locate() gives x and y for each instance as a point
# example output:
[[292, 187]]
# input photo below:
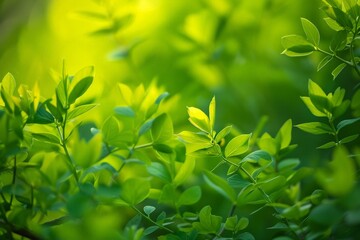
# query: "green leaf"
[[161, 97], [159, 170], [346, 122], [316, 112], [327, 145], [199, 119], [339, 177], [324, 62], [162, 129], [149, 209], [135, 190], [190, 196], [124, 111], [61, 95], [185, 171], [162, 148], [77, 111], [111, 131], [195, 141], [315, 128], [326, 215], [46, 137], [343, 19], [54, 111], [333, 24], [42, 116], [349, 139], [288, 164], [9, 84], [126, 94], [230, 223], [208, 223], [82, 80], [145, 127], [311, 31], [223, 133], [296, 46], [283, 137], [338, 70], [238, 145], [220, 185], [339, 41], [212, 113], [256, 156]]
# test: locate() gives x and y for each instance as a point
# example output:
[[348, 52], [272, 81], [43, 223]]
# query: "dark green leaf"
[[339, 41], [346, 122], [324, 62], [220, 185], [82, 80]]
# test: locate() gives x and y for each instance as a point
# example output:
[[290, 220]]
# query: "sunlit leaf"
[[315, 128], [162, 129], [238, 145], [311, 31], [77, 111], [190, 196]]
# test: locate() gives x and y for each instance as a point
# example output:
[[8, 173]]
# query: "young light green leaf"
[[46, 137], [195, 141], [230, 223], [190, 196], [327, 145], [349, 139], [296, 46], [185, 171], [333, 24], [223, 133], [212, 113], [220, 185], [9, 84], [77, 111], [339, 176], [135, 190], [316, 112], [315, 128], [238, 145], [199, 119], [283, 137], [311, 31], [162, 129], [126, 94], [338, 70]]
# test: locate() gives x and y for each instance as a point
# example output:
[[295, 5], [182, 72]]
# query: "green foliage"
[[127, 174]]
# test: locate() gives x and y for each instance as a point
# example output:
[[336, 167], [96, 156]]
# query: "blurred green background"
[[194, 50]]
